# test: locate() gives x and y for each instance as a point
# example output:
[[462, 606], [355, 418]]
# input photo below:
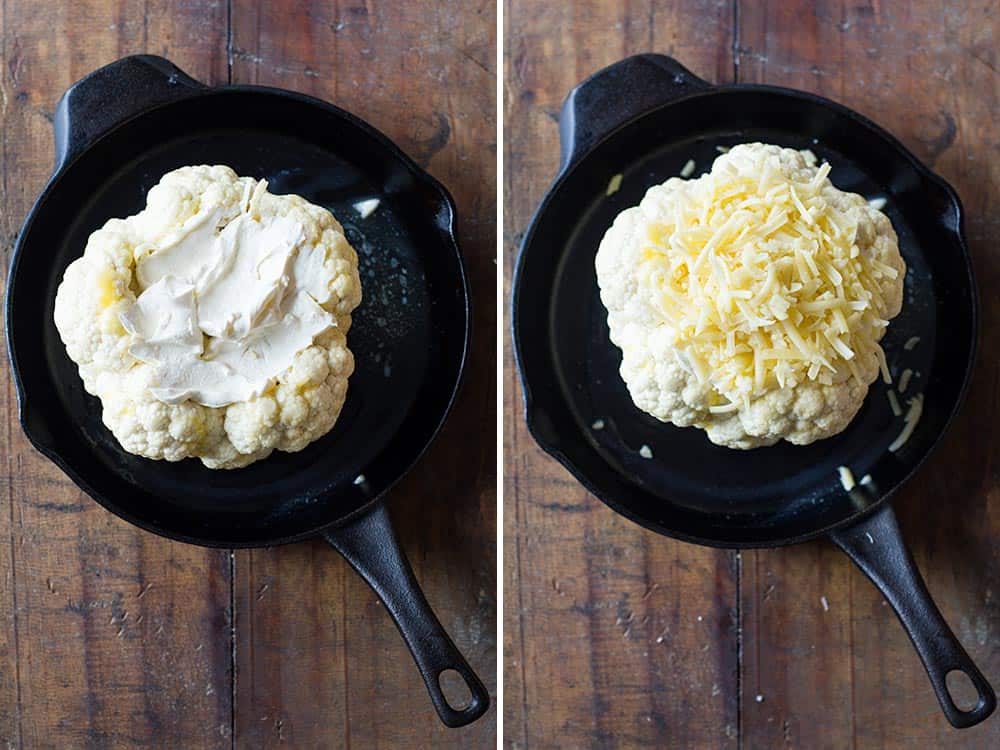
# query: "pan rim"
[[445, 223], [565, 173]]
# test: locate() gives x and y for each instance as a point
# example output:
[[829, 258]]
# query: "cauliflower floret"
[[730, 322], [301, 405]]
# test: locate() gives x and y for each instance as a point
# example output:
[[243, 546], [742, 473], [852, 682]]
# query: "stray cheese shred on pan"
[[846, 478], [913, 415]]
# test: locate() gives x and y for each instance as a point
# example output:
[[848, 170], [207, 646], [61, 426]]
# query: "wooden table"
[[615, 637], [111, 637]]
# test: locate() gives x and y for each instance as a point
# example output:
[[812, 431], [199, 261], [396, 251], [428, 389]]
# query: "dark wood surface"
[[615, 637], [113, 638]]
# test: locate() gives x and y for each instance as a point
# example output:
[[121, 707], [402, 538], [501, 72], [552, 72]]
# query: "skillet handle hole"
[[455, 689], [963, 693]]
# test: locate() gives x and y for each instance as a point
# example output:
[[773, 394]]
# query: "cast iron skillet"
[[117, 132], [645, 117]]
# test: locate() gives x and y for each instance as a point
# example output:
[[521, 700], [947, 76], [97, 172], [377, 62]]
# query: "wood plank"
[[109, 637], [847, 675], [319, 663], [10, 699], [613, 636]]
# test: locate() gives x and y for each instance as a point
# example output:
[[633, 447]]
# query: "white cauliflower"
[[750, 302], [297, 407]]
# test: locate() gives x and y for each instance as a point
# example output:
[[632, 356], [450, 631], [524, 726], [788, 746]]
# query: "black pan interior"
[[408, 335], [691, 488]]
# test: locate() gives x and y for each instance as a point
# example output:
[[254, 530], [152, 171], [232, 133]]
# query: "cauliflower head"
[[297, 407], [750, 302]]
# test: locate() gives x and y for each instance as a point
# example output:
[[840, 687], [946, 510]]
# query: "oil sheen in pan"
[[388, 364], [598, 392]]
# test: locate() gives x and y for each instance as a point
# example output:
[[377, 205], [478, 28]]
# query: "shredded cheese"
[[760, 281], [646, 452], [897, 410], [904, 380], [614, 184], [688, 169], [846, 478], [909, 422], [911, 343]]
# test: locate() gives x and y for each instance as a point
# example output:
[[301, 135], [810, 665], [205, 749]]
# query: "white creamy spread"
[[226, 303]]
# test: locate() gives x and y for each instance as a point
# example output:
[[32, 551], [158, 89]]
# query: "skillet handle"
[[111, 95], [371, 547], [615, 94], [877, 547]]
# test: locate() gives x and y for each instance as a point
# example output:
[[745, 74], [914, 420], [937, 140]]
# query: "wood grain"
[[614, 637], [319, 663], [847, 676], [111, 637], [823, 663]]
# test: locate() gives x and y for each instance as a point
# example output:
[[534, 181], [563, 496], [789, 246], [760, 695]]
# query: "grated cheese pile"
[[757, 273]]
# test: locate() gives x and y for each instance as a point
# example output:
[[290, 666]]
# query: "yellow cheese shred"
[[904, 380], [846, 478], [897, 410], [913, 415]]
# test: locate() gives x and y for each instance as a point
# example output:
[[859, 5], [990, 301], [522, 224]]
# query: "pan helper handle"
[[877, 547], [104, 99], [370, 545], [614, 95]]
